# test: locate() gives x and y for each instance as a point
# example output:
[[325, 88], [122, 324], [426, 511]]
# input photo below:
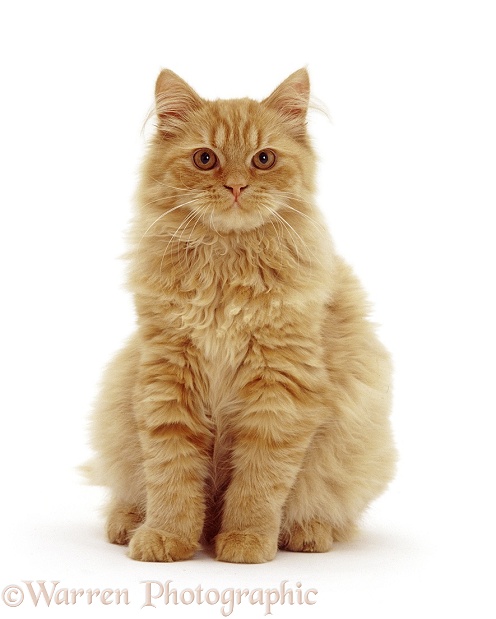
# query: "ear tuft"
[[291, 99], [174, 101]]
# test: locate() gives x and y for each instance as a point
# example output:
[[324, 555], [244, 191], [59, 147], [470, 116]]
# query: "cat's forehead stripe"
[[219, 134], [234, 129]]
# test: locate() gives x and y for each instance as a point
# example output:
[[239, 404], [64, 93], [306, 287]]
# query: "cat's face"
[[232, 165]]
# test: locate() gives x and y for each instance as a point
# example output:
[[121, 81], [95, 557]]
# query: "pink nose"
[[236, 189]]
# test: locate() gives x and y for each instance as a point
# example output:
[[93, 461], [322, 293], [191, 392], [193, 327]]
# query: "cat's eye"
[[205, 159], [264, 159]]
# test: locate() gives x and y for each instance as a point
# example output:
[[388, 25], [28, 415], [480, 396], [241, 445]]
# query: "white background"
[[407, 182]]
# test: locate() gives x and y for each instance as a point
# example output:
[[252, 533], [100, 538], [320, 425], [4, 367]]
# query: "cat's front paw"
[[312, 536], [240, 547], [149, 544]]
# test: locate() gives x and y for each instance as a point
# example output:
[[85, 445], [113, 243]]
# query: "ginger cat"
[[251, 406]]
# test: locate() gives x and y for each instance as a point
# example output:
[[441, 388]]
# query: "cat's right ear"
[[174, 102]]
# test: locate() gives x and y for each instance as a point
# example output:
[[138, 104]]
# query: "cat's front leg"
[[176, 443], [282, 401]]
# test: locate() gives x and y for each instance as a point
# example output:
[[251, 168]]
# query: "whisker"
[[294, 196], [184, 222], [203, 207], [163, 199], [159, 182], [196, 213], [293, 232], [317, 225], [279, 238], [167, 213], [199, 212], [283, 223], [212, 223]]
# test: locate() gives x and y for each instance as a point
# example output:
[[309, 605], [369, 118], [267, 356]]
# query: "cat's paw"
[[240, 547], [121, 524], [149, 544], [312, 536]]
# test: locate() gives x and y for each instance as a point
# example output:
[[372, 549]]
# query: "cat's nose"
[[236, 189]]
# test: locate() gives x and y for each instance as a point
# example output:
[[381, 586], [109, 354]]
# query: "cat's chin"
[[234, 220]]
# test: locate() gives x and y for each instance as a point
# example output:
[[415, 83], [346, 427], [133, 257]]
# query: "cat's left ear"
[[174, 102], [291, 100]]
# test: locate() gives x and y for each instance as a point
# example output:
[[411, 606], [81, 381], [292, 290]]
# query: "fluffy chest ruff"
[[212, 302]]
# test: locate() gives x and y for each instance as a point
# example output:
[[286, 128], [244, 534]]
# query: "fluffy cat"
[[251, 406]]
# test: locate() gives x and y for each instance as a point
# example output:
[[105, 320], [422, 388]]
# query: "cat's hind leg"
[[118, 462], [309, 536], [345, 468], [317, 511], [351, 458]]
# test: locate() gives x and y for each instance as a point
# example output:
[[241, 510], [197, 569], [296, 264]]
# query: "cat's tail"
[[89, 471]]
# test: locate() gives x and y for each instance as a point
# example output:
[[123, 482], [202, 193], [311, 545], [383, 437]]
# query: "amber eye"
[[264, 159], [205, 159]]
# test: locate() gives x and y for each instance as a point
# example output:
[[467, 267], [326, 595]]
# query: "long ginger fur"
[[251, 407]]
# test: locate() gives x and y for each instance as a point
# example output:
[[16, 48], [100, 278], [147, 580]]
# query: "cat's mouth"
[[236, 203], [235, 215]]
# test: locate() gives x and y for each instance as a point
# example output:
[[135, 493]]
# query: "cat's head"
[[230, 165]]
